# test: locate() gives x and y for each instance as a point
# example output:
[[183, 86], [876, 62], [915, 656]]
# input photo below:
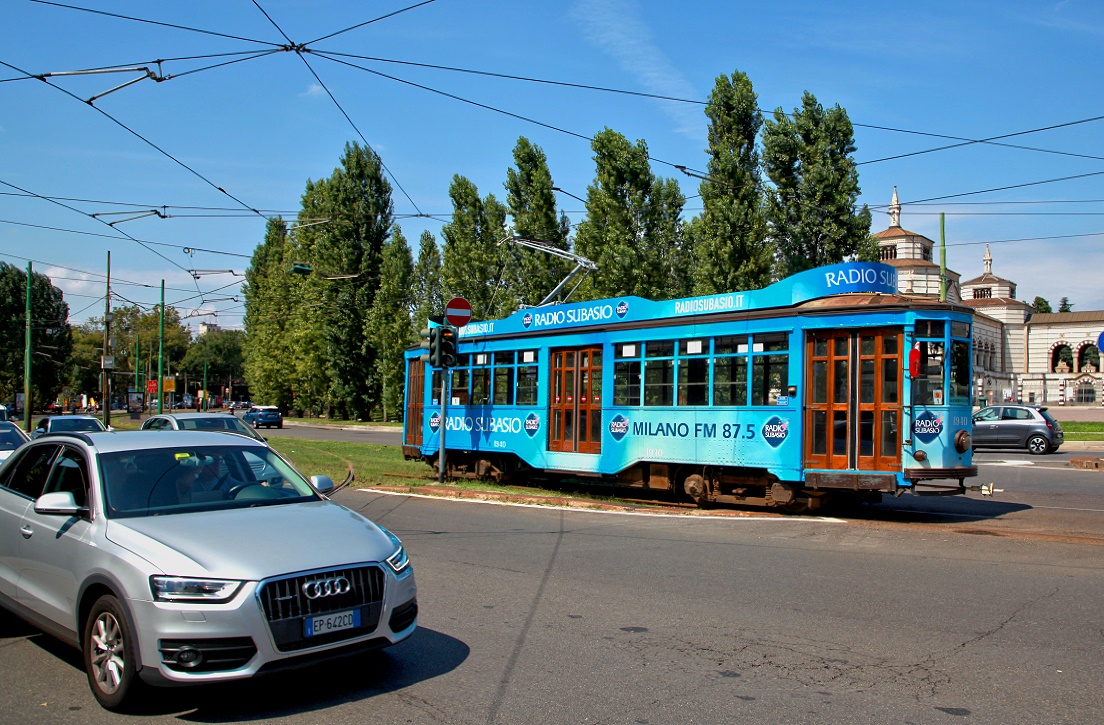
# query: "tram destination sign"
[[847, 278]]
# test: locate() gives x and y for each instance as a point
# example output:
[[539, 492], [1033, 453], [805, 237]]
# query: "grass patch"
[[1082, 427], [374, 465], [337, 422]]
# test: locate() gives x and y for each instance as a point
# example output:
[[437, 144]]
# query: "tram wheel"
[[697, 489]]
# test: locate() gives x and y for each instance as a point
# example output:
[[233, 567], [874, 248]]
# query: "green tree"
[[51, 340], [218, 354], [390, 325], [1041, 306], [345, 255], [532, 205], [731, 250], [1064, 305], [811, 206], [269, 301], [426, 282], [632, 230], [474, 265]]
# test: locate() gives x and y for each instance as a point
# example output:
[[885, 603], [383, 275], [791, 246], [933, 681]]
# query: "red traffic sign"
[[458, 312], [151, 387]]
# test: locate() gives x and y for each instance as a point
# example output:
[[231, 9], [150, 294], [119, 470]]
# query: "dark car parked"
[[1017, 426]]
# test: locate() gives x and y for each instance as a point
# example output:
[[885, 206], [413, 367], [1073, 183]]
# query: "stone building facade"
[[1049, 359]]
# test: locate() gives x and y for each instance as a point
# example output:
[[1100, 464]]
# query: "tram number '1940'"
[[745, 431]]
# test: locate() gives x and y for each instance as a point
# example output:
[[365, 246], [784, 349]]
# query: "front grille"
[[217, 655], [286, 605]]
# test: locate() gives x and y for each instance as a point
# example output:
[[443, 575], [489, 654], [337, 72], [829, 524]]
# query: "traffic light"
[[446, 347], [429, 343]]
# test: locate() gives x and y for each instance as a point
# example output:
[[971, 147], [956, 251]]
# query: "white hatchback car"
[[153, 554]]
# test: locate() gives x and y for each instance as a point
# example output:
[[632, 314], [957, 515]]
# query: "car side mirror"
[[322, 484], [58, 503]]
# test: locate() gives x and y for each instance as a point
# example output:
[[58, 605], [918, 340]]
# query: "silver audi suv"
[[154, 555]]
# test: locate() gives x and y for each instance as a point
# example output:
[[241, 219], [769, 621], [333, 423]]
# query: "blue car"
[[264, 416]]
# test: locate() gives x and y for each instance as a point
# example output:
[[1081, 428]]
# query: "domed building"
[[1049, 358]]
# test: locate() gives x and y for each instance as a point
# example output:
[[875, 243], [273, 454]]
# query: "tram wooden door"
[[575, 400], [415, 403], [853, 409]]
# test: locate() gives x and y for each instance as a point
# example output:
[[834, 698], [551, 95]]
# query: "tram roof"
[[851, 284]]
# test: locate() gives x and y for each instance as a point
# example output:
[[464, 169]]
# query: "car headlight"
[[398, 561], [188, 589]]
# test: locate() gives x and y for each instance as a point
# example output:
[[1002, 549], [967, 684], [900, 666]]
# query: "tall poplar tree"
[[269, 359], [811, 207], [731, 250], [390, 325], [474, 265], [532, 205], [346, 253], [429, 297], [633, 227]]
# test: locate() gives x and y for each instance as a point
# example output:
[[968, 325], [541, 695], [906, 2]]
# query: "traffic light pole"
[[445, 375]]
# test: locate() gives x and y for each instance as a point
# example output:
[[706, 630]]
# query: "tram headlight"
[[963, 441]]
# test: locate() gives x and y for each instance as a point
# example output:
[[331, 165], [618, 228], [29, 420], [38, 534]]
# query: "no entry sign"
[[458, 312]]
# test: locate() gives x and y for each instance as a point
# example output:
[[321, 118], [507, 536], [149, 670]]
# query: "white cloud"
[[314, 90], [617, 28]]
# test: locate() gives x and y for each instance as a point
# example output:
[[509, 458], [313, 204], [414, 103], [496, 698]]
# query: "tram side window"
[[770, 367], [659, 372], [527, 378], [929, 384], [460, 380], [693, 372], [961, 389], [730, 370], [503, 377], [481, 378], [626, 373]]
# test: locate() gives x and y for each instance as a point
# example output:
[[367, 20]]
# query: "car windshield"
[[10, 438], [219, 422], [75, 424], [160, 481]]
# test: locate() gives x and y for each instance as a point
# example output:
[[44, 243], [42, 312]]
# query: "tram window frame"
[[627, 366], [692, 377], [460, 394], [770, 363], [481, 378], [929, 386], [502, 377], [960, 390], [527, 378], [730, 352], [659, 373]]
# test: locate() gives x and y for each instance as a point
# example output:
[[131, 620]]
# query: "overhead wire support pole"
[[27, 359]]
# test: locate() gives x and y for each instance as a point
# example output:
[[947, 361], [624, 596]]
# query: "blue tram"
[[828, 383]]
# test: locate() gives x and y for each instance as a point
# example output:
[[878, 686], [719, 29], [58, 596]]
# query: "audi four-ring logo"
[[327, 587]]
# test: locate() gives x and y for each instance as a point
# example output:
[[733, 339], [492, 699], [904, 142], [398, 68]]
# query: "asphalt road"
[[533, 615]]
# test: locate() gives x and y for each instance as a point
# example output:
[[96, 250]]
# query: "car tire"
[[1037, 445], [280, 425], [256, 425], [110, 655]]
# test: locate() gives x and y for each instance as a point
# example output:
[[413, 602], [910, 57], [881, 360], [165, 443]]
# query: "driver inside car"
[[200, 480]]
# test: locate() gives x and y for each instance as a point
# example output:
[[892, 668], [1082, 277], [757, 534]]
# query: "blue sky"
[[259, 128]]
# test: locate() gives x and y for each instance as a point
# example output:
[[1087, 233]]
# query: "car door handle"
[[26, 531]]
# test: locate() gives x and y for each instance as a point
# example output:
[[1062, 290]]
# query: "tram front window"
[[929, 384]]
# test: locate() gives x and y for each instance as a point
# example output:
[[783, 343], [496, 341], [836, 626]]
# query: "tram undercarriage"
[[704, 485]]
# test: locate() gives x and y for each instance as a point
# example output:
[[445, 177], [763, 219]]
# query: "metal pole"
[[107, 347], [444, 412], [942, 258], [138, 387], [27, 359], [161, 357], [206, 405]]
